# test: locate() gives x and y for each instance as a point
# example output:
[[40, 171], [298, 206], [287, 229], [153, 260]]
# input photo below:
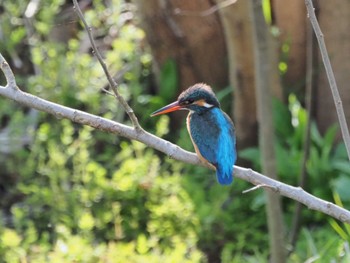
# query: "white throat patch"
[[207, 105]]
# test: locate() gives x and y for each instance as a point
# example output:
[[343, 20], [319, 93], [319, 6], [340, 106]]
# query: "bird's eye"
[[187, 102]]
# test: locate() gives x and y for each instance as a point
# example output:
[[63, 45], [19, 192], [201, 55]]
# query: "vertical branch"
[[330, 75], [113, 85], [295, 229], [263, 75]]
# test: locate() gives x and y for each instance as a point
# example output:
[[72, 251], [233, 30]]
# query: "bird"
[[211, 130]]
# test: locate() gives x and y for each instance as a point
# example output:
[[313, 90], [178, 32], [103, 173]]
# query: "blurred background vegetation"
[[69, 193]]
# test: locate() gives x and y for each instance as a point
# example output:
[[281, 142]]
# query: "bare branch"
[[210, 11], [330, 75], [10, 78], [108, 92], [113, 85], [10, 91], [256, 188]]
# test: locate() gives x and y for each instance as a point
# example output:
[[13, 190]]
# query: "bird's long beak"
[[168, 108]]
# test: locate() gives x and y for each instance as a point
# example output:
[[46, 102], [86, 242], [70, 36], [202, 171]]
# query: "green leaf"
[[223, 93], [338, 229], [17, 35], [86, 221], [282, 119], [266, 6], [10, 238], [340, 152], [315, 135], [142, 246], [341, 186], [330, 135], [342, 165], [168, 80], [251, 154]]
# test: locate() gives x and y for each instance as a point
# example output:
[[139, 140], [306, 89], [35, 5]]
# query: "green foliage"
[[83, 195], [326, 163], [168, 80], [318, 245], [328, 173], [74, 194], [74, 200], [344, 233], [267, 10]]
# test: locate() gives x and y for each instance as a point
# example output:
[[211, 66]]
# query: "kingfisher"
[[211, 130]]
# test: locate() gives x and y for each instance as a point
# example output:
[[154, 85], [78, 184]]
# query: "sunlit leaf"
[[9, 238]]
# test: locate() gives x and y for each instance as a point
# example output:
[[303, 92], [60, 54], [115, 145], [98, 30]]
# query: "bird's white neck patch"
[[207, 105], [203, 103]]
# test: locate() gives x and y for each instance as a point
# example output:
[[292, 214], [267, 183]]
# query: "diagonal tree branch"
[[112, 84], [330, 75], [11, 91]]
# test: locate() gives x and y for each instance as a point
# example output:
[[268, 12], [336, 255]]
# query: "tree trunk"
[[334, 19], [179, 30], [293, 34], [237, 26], [263, 68]]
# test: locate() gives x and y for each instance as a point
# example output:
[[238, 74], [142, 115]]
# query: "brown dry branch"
[[11, 91], [330, 75]]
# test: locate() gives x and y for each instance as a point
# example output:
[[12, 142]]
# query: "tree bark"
[[334, 20], [263, 69], [237, 25], [290, 18], [178, 29]]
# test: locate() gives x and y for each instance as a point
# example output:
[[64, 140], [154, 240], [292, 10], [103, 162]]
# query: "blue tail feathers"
[[224, 175]]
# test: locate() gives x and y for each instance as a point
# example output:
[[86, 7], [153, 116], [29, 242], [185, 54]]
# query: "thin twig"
[[330, 75], [108, 92], [257, 187], [113, 85], [211, 10]]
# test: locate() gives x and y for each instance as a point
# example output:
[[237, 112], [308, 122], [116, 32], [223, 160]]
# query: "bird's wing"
[[228, 138], [216, 140], [231, 130]]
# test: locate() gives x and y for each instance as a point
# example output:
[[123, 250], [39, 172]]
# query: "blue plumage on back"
[[213, 135]]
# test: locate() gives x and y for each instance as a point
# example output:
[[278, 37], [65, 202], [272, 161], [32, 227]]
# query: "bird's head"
[[198, 98]]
